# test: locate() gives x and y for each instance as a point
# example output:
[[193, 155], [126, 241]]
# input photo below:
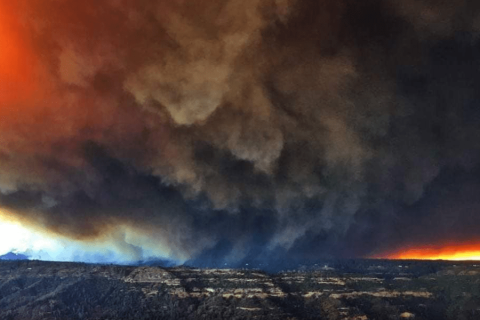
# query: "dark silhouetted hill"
[[13, 256]]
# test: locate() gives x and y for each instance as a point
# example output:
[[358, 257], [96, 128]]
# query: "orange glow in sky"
[[465, 251], [17, 61]]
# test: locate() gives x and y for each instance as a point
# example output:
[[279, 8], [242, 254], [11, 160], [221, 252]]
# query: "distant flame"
[[462, 251]]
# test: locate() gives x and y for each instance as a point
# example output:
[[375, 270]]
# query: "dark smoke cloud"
[[231, 130]]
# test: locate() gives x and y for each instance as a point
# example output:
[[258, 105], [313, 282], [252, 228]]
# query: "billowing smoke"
[[243, 129]]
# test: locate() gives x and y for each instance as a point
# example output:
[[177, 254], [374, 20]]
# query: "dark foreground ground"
[[356, 289]]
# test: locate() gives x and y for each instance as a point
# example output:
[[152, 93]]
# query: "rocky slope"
[[52, 290]]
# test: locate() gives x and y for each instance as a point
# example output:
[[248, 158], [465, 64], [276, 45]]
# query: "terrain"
[[350, 289]]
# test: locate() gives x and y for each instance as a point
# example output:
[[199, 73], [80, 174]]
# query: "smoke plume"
[[242, 129]]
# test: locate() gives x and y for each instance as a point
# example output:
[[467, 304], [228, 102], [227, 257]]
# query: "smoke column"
[[226, 131]]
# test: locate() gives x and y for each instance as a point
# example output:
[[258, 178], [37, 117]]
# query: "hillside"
[[357, 290]]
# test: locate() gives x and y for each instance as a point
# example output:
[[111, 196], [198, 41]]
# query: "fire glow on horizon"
[[454, 252]]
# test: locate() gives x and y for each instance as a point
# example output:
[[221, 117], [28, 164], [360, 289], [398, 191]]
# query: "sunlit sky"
[[14, 237], [18, 238]]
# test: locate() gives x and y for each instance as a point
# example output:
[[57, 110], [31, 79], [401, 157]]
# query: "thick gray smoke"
[[230, 130]]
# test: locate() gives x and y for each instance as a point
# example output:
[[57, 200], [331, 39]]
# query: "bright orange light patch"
[[462, 251], [17, 62]]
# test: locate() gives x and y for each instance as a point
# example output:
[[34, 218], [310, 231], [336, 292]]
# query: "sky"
[[215, 132], [40, 244]]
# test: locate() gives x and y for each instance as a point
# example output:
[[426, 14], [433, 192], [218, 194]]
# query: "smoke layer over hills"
[[241, 129]]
